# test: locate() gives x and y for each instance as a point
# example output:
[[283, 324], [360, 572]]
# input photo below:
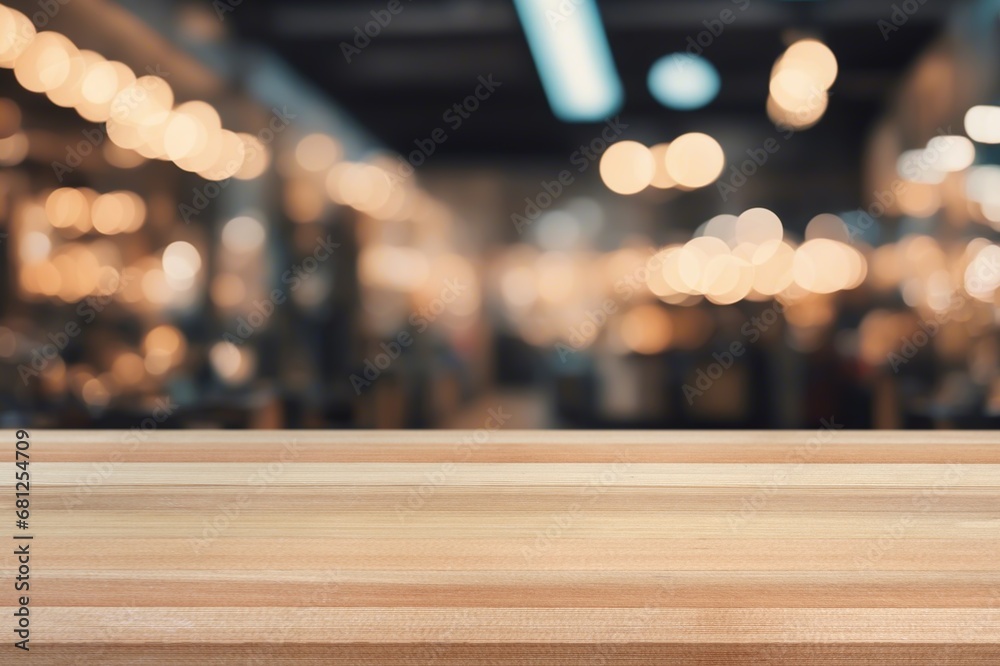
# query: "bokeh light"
[[627, 167], [683, 81], [695, 160]]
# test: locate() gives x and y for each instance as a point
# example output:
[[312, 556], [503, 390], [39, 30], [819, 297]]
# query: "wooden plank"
[[780, 446], [522, 475], [512, 547], [518, 654]]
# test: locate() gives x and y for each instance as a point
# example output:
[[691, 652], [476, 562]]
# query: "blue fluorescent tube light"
[[573, 58]]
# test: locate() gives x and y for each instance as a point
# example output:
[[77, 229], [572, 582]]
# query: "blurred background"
[[496, 213]]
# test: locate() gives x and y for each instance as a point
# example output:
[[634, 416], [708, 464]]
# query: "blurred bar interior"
[[485, 213]]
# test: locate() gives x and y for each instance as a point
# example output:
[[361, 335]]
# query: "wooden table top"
[[508, 547]]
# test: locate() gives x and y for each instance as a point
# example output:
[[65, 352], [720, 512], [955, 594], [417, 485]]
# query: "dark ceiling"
[[430, 55]]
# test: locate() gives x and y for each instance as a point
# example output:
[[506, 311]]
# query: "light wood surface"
[[494, 547]]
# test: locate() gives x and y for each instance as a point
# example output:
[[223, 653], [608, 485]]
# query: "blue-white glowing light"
[[573, 58], [683, 81]]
